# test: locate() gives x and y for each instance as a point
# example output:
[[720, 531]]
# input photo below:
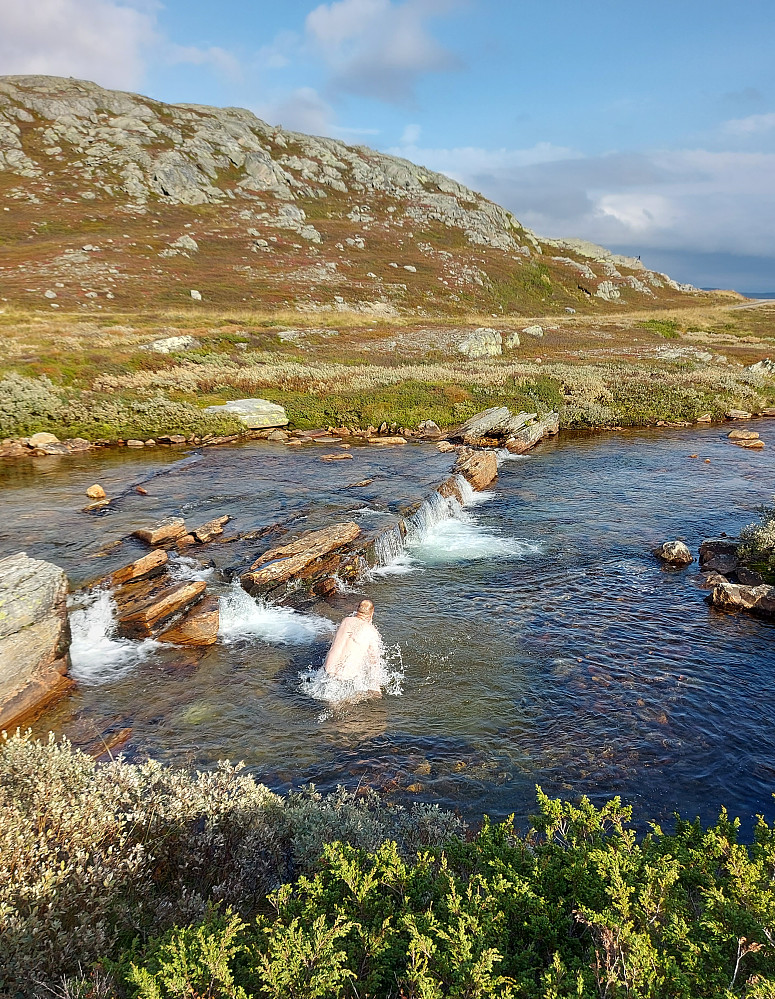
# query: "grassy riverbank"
[[123, 881], [76, 377]]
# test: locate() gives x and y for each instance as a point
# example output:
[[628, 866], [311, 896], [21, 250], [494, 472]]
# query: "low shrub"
[[92, 856], [577, 908], [757, 542]]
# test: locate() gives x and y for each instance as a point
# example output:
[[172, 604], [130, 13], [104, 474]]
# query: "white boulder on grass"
[[257, 414]]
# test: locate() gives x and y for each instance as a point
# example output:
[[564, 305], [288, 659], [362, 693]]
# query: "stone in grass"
[[674, 553], [536, 331], [256, 414], [196, 295], [484, 342]]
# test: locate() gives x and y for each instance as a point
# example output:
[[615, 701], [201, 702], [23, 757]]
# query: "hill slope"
[[112, 200]]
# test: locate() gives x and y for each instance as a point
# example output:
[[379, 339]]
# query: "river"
[[531, 639]]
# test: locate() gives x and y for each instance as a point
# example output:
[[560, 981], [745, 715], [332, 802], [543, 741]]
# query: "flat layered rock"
[[34, 637], [165, 532], [144, 608], [738, 414], [212, 529], [279, 565], [733, 596], [197, 628], [742, 435], [753, 445], [152, 564]]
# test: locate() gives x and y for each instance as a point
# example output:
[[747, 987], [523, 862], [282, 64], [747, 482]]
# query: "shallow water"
[[532, 639]]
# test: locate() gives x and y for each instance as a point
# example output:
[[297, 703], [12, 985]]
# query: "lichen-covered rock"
[[497, 423], [34, 637], [257, 414], [484, 342]]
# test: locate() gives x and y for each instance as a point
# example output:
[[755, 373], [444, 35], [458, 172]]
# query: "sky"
[[646, 127]]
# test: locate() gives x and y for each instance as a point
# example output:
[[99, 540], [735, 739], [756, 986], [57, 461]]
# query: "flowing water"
[[530, 636]]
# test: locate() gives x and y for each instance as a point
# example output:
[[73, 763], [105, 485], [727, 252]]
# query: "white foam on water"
[[97, 656], [387, 677], [441, 532], [182, 567], [243, 617], [463, 539], [503, 455]]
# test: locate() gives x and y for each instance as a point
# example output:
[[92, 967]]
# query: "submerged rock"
[[675, 553], [34, 637]]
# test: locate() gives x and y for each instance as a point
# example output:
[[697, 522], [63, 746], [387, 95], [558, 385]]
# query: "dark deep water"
[[533, 640]]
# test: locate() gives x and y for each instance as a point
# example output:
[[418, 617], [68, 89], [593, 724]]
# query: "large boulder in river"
[[257, 414], [34, 637], [305, 558], [526, 438], [733, 596], [495, 424], [675, 553]]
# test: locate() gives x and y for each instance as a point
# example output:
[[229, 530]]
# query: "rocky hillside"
[[115, 201]]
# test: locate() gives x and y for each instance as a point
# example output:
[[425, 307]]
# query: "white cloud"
[[97, 39], [221, 60], [753, 124], [411, 135], [692, 201], [303, 110], [465, 162], [377, 48]]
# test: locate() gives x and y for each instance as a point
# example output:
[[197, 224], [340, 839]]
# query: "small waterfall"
[[434, 510], [388, 545], [97, 656]]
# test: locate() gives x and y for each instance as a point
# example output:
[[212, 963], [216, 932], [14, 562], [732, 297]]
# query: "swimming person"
[[356, 650]]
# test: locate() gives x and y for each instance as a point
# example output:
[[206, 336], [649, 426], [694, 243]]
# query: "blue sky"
[[649, 128]]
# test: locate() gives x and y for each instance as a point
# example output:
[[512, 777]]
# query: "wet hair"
[[365, 609]]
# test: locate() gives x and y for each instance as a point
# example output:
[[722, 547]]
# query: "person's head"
[[365, 610]]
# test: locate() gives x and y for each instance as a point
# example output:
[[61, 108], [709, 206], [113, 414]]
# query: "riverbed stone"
[[34, 637], [12, 449], [199, 627], [675, 553], [734, 596], [480, 468], [165, 532], [742, 435], [429, 430], [752, 445], [212, 529], [257, 414], [712, 547], [96, 492], [279, 565], [495, 424], [723, 564], [738, 414], [146, 607], [149, 565], [42, 439]]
